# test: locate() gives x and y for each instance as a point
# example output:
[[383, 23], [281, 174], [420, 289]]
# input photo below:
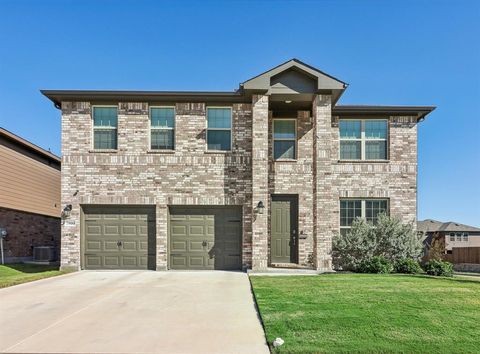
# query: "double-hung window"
[[162, 128], [219, 128], [369, 209], [465, 237], [363, 139], [105, 124], [284, 139], [452, 236]]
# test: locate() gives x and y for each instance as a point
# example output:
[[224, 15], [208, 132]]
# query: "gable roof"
[[430, 225], [325, 81]]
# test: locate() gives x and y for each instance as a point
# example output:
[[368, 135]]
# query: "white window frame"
[[162, 128], [92, 136], [363, 139], [219, 129], [452, 237], [363, 208], [465, 237], [284, 139], [459, 236]]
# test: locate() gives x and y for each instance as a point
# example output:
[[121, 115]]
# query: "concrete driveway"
[[132, 312]]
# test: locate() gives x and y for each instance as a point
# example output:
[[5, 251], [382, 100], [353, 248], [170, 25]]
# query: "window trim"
[[294, 139], [162, 128], [218, 129], [363, 139], [363, 209], [92, 135], [465, 237]]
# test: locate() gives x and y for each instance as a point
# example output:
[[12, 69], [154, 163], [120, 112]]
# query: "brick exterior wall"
[[193, 176], [27, 230]]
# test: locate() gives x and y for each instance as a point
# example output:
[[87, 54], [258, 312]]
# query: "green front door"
[[205, 238], [283, 230], [118, 237]]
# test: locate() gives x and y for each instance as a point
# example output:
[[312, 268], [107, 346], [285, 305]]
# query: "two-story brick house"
[[263, 176]]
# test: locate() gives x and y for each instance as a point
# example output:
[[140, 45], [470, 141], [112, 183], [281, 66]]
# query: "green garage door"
[[119, 237], [205, 238]]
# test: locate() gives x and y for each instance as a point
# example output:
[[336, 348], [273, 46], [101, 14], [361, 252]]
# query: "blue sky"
[[390, 52]]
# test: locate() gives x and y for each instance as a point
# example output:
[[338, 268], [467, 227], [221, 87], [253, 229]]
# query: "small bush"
[[376, 264], [439, 268], [407, 266]]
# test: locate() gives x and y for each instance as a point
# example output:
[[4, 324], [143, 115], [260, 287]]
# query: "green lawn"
[[370, 313], [13, 274]]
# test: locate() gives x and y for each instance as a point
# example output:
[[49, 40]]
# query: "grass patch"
[[364, 313], [13, 274]]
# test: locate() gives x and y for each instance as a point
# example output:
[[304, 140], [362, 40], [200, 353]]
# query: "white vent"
[[44, 253]]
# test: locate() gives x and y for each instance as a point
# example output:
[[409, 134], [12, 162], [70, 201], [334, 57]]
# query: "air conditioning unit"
[[44, 253]]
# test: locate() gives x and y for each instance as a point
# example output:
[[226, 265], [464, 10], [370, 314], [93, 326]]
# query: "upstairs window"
[[284, 139], [452, 236], [363, 139], [162, 128], [105, 127], [369, 209], [465, 237], [219, 128]]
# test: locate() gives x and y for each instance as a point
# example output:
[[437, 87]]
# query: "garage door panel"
[[93, 246], [180, 246], [196, 262], [143, 230], [178, 262], [110, 245], [118, 237], [129, 230], [112, 261], [130, 246], [143, 246], [93, 261], [94, 229], [129, 261], [195, 246], [111, 230], [111, 217], [196, 230], [179, 230]]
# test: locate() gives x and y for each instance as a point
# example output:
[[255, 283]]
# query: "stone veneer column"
[[260, 181], [324, 197]]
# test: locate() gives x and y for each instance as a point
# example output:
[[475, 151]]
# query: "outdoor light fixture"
[[67, 210], [260, 207], [288, 101]]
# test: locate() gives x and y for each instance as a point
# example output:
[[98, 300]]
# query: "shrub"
[[407, 266], [376, 264], [439, 268], [388, 238]]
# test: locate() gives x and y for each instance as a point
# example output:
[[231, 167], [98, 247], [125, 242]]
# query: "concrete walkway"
[[132, 312]]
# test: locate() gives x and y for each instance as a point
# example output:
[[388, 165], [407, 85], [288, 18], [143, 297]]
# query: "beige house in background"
[[450, 234], [29, 197]]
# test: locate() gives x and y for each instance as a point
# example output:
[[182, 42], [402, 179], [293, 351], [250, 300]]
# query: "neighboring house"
[[29, 197], [449, 234], [263, 176]]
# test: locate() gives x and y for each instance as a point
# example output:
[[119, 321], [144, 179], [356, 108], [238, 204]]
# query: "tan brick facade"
[[190, 175], [248, 174]]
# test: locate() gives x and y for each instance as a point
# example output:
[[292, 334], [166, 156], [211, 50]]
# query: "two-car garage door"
[[123, 237]]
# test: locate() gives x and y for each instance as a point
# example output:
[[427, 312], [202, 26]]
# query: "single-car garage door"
[[118, 237], [205, 238]]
